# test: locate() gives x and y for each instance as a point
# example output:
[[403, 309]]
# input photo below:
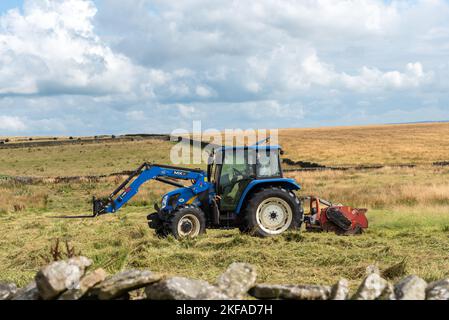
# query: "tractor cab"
[[232, 169]]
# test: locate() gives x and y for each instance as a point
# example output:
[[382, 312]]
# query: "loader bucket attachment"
[[99, 206]]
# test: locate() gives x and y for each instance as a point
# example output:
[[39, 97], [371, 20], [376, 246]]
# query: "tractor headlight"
[[164, 201]]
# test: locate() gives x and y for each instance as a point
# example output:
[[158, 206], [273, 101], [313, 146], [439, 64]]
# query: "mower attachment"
[[335, 215], [340, 219]]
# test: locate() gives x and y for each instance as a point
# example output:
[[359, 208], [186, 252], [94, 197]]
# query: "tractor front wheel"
[[155, 222], [271, 211], [187, 222]]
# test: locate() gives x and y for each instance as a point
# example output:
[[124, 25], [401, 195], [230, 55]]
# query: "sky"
[[81, 67], [9, 4]]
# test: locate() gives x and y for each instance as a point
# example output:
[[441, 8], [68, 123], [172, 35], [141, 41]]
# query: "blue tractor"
[[243, 188]]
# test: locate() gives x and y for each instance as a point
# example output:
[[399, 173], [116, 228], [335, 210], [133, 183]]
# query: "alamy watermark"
[[198, 145]]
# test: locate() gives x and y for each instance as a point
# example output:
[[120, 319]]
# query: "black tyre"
[[187, 222], [155, 222], [271, 211], [243, 228]]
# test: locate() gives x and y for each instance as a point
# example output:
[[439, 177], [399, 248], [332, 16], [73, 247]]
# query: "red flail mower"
[[330, 217]]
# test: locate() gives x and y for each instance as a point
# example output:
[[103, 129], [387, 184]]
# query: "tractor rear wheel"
[[187, 222], [271, 211]]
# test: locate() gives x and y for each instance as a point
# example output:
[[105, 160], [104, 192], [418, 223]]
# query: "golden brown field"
[[385, 144]]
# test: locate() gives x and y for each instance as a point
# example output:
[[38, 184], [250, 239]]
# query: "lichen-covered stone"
[[87, 282], [291, 292], [340, 290], [237, 280], [371, 288], [59, 276], [119, 284], [410, 288], [30, 292], [7, 290], [372, 269], [438, 290], [388, 293], [179, 288]]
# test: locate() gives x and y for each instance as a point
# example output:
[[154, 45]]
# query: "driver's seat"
[[231, 194], [226, 188]]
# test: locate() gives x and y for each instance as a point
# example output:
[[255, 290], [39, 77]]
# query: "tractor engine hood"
[[177, 197]]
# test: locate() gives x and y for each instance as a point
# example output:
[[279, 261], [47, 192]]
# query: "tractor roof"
[[254, 147]]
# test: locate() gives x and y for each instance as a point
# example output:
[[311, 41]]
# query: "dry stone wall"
[[73, 280]]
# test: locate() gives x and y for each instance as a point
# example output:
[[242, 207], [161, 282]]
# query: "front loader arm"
[[145, 172]]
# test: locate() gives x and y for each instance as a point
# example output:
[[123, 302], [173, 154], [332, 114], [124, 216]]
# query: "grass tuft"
[[397, 270]]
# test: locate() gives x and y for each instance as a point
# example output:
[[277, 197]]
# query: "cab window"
[[236, 173], [268, 164]]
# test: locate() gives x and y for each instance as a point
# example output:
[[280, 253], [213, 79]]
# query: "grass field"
[[408, 210], [87, 159]]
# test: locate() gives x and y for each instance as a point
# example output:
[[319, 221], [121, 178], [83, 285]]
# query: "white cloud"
[[136, 115], [186, 111], [11, 124], [203, 91], [286, 63], [51, 48], [374, 79], [302, 70], [253, 86]]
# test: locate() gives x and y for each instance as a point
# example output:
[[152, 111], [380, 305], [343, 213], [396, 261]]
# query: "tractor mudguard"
[[289, 184]]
